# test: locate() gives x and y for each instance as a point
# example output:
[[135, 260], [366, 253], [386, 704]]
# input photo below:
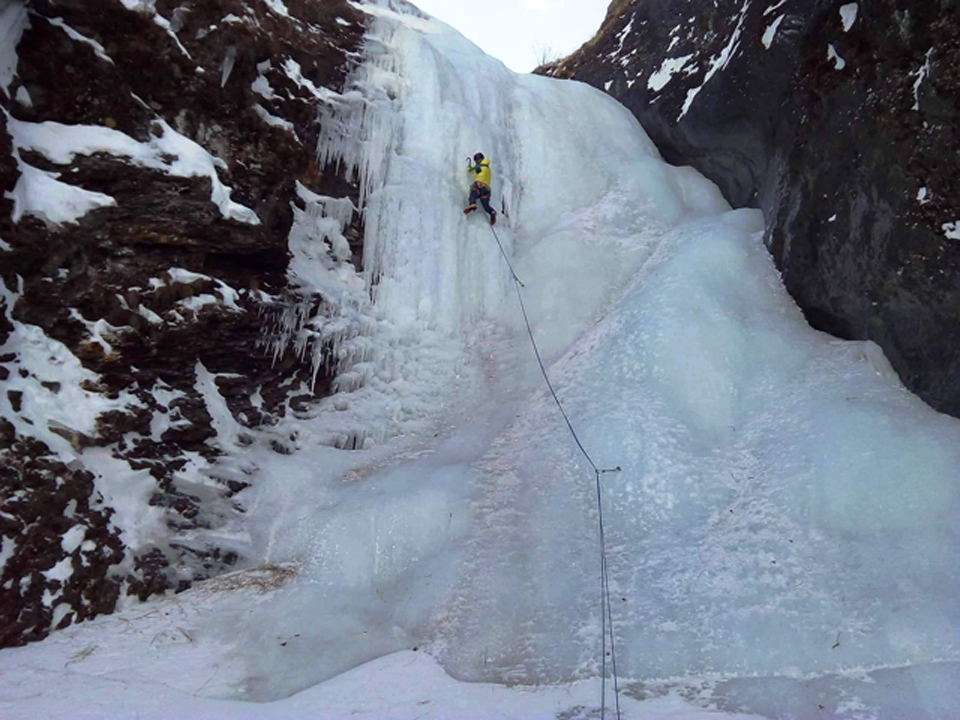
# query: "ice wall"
[[785, 506], [783, 502], [422, 100], [425, 100]]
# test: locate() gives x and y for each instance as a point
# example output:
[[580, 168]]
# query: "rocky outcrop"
[[841, 121], [154, 157]]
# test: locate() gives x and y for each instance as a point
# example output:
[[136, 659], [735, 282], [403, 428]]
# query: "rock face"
[[841, 121], [155, 156]]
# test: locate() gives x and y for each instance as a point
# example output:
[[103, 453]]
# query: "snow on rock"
[[192, 161], [226, 427], [98, 331], [293, 70], [773, 8], [228, 296], [952, 230], [261, 85], [74, 35], [52, 386], [40, 194], [273, 120], [127, 449], [169, 415], [168, 151], [720, 61]]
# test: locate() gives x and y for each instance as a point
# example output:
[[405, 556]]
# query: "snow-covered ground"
[[782, 537]]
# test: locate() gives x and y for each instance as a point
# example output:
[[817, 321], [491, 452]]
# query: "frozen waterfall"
[[784, 529]]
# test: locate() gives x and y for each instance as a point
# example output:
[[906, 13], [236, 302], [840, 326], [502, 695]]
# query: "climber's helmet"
[[478, 157]]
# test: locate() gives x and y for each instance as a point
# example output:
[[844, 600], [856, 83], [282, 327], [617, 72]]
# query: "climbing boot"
[[469, 209], [493, 218]]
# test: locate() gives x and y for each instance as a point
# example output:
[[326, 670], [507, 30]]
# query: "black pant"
[[481, 192]]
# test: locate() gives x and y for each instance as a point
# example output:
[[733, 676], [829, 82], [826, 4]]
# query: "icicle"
[[226, 68], [359, 132]]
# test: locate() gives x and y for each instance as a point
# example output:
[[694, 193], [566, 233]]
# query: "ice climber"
[[480, 167]]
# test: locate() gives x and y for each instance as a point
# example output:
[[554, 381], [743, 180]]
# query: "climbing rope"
[[606, 608], [515, 278]]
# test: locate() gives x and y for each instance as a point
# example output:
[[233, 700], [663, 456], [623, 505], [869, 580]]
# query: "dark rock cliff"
[[133, 304], [841, 121]]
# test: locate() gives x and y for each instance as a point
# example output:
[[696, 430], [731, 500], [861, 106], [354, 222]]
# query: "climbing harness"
[[606, 608]]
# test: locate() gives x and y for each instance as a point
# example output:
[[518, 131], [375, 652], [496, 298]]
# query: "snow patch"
[[922, 74], [923, 196], [73, 538], [848, 15], [261, 85], [952, 230], [228, 295], [770, 34], [278, 7], [142, 310], [40, 194], [98, 330], [23, 97], [143, 6], [127, 493], [8, 547], [14, 19], [273, 120], [4, 246], [61, 571], [839, 62], [172, 418], [158, 19], [670, 67], [227, 428], [59, 613], [293, 71]]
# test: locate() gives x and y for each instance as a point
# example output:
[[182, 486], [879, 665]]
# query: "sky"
[[518, 31]]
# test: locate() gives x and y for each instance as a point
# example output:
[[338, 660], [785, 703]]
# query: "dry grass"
[[261, 580]]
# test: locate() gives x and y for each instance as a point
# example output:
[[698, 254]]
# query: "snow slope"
[[780, 537]]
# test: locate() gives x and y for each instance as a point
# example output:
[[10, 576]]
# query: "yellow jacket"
[[482, 171]]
